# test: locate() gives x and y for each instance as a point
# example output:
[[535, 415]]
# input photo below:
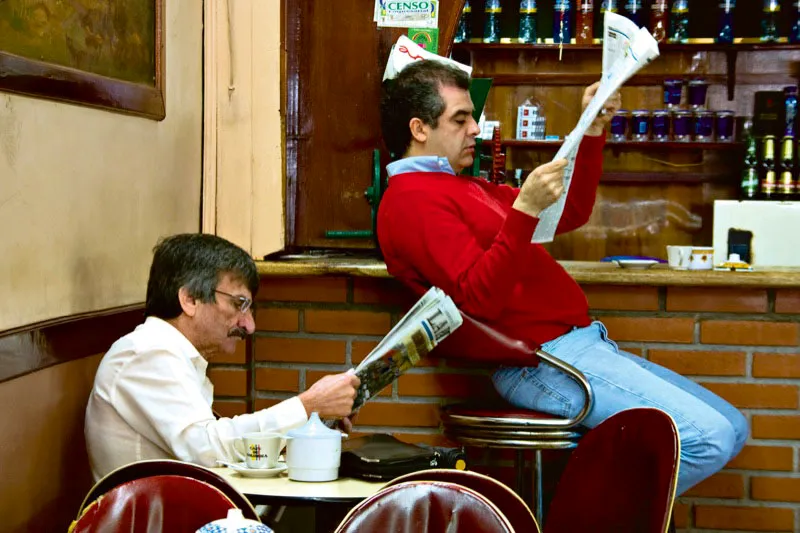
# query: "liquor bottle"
[[562, 22], [794, 33], [464, 29], [768, 184], [679, 22], [612, 6], [749, 188], [527, 21], [584, 22], [769, 20], [491, 25], [786, 185], [659, 19], [751, 154], [633, 10], [790, 105], [725, 32]]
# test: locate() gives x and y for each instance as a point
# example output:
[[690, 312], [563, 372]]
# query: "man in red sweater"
[[473, 240]]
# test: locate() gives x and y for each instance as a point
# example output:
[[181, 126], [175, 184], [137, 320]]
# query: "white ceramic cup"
[[259, 450], [678, 257], [701, 258]]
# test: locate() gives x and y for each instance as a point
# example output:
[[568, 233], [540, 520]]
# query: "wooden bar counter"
[[584, 272]]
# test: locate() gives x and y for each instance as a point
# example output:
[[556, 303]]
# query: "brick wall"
[[744, 344]]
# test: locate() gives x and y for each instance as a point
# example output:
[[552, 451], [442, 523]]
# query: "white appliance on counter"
[[775, 229]]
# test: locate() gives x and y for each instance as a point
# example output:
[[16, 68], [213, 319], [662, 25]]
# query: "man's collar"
[[166, 328], [420, 163]]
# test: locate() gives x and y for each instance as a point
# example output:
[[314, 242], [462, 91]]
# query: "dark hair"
[[198, 262], [415, 93]]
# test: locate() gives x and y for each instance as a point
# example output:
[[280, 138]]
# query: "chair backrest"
[[154, 504], [430, 506], [506, 500], [143, 469], [621, 478]]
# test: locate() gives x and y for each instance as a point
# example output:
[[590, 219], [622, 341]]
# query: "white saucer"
[[636, 264], [242, 469]]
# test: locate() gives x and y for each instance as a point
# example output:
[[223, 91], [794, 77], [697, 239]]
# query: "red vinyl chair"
[[155, 504], [430, 506], [621, 478], [157, 467], [506, 500]]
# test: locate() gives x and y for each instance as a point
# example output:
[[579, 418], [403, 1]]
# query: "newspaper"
[[405, 51], [430, 321], [626, 49]]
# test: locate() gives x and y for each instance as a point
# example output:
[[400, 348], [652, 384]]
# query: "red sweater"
[[460, 234]]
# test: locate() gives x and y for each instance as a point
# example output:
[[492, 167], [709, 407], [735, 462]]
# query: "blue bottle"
[[562, 22], [790, 103], [527, 21], [794, 33], [464, 28], [769, 21], [679, 22], [725, 32], [633, 10], [491, 26]]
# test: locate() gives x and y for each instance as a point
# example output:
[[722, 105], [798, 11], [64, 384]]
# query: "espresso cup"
[[260, 450], [701, 258], [678, 257]]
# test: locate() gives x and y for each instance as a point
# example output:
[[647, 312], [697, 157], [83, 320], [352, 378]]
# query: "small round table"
[[336, 498]]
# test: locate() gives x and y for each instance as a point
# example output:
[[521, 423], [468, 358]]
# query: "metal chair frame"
[[547, 433]]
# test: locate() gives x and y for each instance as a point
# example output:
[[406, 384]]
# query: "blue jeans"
[[711, 431]]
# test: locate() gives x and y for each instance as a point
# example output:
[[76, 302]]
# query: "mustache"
[[238, 332]]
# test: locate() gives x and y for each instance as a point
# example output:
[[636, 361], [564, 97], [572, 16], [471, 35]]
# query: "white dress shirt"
[[152, 400]]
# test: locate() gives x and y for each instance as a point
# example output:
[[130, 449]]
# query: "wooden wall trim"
[[37, 346], [291, 74]]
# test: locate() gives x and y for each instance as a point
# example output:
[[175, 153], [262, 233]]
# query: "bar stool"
[[520, 429]]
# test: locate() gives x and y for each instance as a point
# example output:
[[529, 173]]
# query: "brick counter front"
[[742, 343]]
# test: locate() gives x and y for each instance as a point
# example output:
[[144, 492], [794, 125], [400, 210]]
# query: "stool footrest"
[[513, 443], [472, 431]]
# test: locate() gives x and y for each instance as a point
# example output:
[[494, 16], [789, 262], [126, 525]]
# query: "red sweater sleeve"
[[583, 189], [425, 238]]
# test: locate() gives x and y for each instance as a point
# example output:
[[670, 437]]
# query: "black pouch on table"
[[382, 457]]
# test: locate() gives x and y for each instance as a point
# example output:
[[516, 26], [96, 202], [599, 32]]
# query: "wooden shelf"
[[630, 145], [729, 79], [663, 178], [587, 78], [662, 47]]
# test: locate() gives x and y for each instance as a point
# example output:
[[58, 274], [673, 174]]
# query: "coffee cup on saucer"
[[261, 450]]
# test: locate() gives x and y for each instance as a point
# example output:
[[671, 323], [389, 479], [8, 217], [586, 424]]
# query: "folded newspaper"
[[405, 51], [428, 323], [626, 49]]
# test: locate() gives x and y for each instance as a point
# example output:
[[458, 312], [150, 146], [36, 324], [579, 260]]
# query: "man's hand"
[[542, 188], [332, 396], [612, 105]]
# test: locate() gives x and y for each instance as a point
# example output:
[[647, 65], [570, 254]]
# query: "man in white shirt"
[[151, 397]]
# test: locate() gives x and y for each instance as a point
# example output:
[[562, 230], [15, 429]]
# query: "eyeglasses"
[[242, 303]]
